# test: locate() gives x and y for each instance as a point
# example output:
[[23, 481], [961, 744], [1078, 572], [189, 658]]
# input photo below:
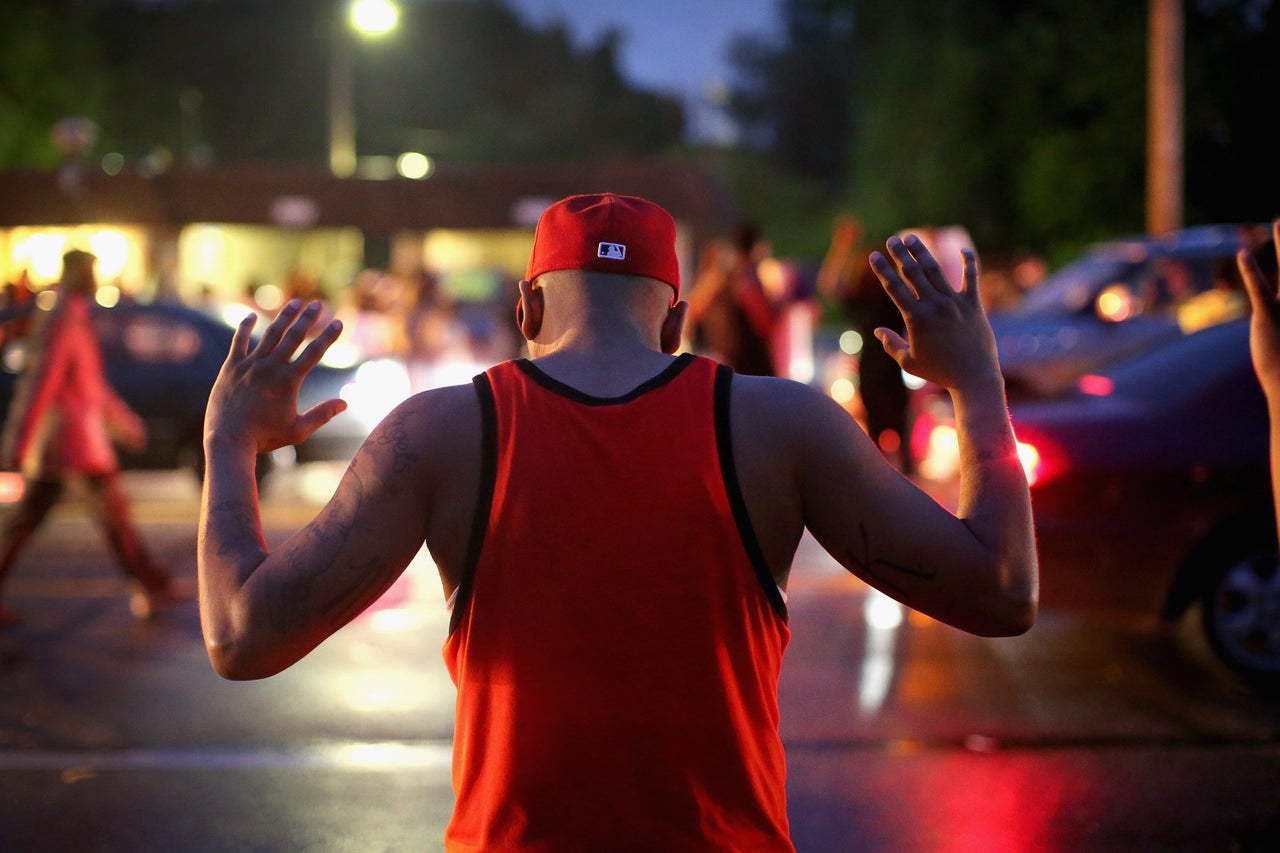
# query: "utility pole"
[[1165, 170]]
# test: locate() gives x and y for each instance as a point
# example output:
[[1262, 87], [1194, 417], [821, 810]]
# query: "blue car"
[[1118, 299], [1151, 492]]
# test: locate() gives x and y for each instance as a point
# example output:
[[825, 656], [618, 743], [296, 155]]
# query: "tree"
[[467, 81], [1233, 173], [1026, 121], [1022, 121], [49, 70], [472, 80], [792, 98]]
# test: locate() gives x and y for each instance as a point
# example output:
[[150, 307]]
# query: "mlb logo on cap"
[[612, 251]]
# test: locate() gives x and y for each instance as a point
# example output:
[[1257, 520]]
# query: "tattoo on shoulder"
[[337, 595], [394, 436]]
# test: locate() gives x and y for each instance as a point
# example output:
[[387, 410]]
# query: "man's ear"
[[673, 327], [529, 310]]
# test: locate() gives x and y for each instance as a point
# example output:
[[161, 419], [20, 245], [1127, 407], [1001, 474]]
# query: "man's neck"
[[600, 369]]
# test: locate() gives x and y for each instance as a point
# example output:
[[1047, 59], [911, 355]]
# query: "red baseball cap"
[[607, 233]]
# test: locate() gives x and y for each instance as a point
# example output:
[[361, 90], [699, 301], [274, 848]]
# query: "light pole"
[[370, 17]]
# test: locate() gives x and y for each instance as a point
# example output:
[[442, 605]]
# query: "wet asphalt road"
[[1083, 735]]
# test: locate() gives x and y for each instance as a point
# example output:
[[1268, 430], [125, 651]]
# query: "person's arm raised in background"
[[837, 270], [1264, 342]]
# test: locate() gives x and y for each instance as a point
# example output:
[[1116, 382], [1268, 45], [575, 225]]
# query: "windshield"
[[1074, 287]]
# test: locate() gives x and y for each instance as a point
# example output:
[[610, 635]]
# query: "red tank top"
[[617, 639]]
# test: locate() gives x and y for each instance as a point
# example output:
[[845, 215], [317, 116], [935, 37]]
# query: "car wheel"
[[1240, 609]]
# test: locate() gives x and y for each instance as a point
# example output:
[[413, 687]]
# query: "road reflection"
[[884, 618]]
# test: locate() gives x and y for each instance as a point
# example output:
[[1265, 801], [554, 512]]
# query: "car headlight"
[[376, 387]]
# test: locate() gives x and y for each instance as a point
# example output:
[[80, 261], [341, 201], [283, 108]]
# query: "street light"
[[368, 17]]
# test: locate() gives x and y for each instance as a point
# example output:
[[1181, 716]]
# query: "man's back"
[[617, 643], [601, 313]]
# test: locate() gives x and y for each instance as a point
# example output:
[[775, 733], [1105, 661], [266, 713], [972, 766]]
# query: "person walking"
[[847, 279], [614, 525], [59, 432]]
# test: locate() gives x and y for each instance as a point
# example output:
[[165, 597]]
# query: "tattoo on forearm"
[[983, 446], [1003, 451], [238, 521], [882, 568]]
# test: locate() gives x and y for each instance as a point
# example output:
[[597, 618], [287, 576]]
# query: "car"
[[1118, 298], [162, 358], [1151, 493]]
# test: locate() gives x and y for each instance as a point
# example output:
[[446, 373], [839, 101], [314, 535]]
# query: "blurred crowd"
[[757, 312], [762, 314], [386, 314]]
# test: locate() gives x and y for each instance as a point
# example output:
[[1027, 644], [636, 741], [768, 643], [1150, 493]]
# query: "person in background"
[[1264, 336], [59, 432], [16, 322], [732, 317], [614, 525], [847, 279]]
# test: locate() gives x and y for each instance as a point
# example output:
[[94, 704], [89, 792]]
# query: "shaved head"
[[585, 294]]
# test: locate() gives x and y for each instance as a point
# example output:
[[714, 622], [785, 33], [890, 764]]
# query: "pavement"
[[116, 736]]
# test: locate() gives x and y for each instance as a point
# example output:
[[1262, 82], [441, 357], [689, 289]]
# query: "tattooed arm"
[[262, 610], [976, 569]]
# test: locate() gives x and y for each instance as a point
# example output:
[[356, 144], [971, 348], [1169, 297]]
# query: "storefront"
[[229, 231]]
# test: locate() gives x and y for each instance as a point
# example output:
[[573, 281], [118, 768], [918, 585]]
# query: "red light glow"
[[1097, 386], [11, 487], [1029, 456]]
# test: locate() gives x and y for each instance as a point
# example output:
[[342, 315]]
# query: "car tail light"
[[1041, 459], [1032, 462], [940, 459], [1095, 385]]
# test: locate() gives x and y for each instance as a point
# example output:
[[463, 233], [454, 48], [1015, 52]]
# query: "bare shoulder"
[[428, 430], [802, 442], [433, 414], [427, 457], [785, 410], [791, 443]]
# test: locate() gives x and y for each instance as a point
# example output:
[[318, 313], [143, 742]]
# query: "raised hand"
[[949, 339], [1264, 327], [254, 401]]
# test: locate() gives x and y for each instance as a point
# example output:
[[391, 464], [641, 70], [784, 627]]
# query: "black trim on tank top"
[[484, 499], [729, 471], [668, 373]]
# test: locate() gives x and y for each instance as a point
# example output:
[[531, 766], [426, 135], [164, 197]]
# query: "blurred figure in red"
[[730, 313], [59, 430]]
